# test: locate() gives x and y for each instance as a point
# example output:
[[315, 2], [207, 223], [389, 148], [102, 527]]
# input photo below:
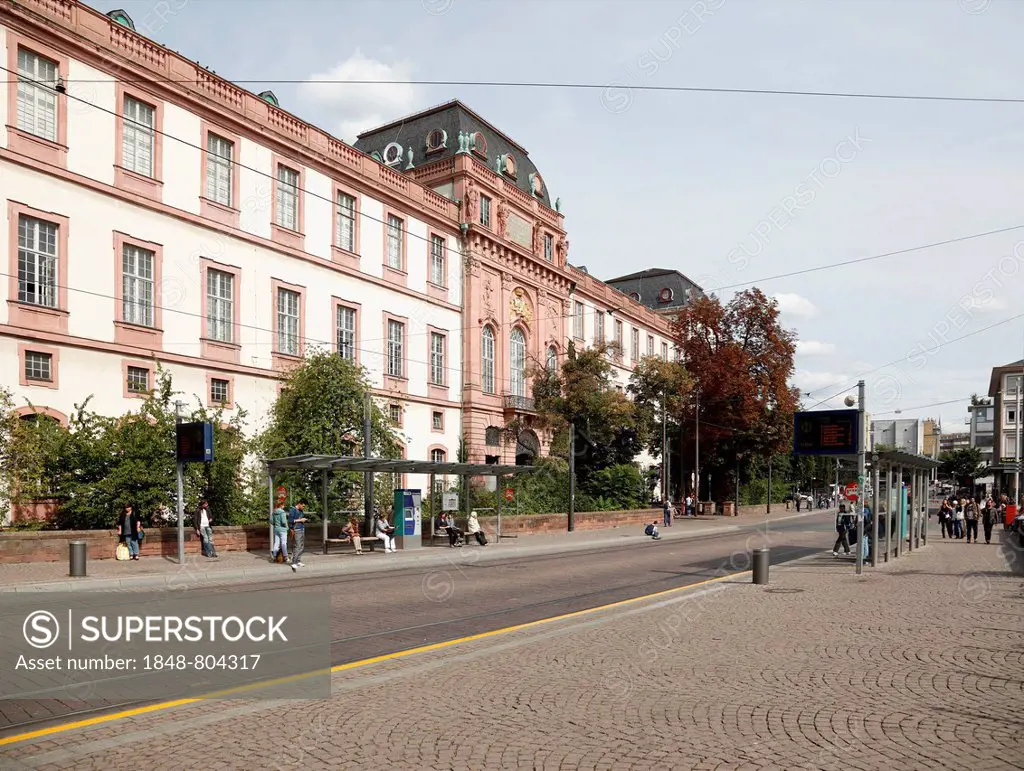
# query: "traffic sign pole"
[[861, 468]]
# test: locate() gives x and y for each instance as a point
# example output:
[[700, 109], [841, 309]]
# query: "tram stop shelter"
[[331, 464], [900, 482]]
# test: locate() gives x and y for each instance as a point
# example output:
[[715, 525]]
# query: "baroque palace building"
[[159, 215]]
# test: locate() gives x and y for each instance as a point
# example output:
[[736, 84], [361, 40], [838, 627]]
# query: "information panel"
[[829, 432]]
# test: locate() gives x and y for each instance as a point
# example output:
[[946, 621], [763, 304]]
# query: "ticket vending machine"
[[408, 519]]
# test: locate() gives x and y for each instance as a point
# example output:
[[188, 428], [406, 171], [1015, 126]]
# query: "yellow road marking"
[[351, 665]]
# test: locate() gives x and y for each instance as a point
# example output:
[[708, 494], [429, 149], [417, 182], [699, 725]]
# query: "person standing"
[[668, 512], [297, 520], [971, 519], [129, 530], [945, 513], [988, 518], [204, 529], [279, 523]]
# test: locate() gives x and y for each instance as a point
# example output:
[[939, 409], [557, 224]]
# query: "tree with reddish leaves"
[[740, 360]]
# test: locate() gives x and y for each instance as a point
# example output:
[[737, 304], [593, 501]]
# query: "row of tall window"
[[517, 361], [37, 115], [619, 328], [38, 285]]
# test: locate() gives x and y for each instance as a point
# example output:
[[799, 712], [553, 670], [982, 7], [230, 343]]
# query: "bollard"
[[76, 558], [761, 562]]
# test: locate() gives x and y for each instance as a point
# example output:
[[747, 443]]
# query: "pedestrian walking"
[[988, 518], [204, 529], [946, 518], [689, 506], [129, 530], [385, 532], [279, 523], [297, 520], [843, 522], [971, 519], [958, 519]]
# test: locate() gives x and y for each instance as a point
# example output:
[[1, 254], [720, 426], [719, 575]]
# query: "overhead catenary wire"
[[406, 232], [896, 362], [571, 314], [581, 86]]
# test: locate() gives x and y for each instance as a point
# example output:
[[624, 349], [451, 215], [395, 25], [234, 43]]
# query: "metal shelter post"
[[499, 487], [270, 501], [899, 511], [862, 444], [325, 516], [367, 475], [911, 508], [888, 511], [572, 476], [924, 522], [876, 517], [432, 497]]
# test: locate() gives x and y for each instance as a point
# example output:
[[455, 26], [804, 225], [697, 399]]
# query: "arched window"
[[437, 456], [552, 359], [487, 360], [517, 359]]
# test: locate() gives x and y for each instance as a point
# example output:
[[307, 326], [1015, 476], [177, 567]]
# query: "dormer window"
[[478, 144], [393, 154], [665, 295], [507, 165], [122, 18], [636, 296], [437, 140], [270, 98], [536, 185], [377, 156]]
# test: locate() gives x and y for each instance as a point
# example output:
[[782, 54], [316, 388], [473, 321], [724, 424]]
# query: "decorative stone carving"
[[463, 143], [488, 292], [563, 249], [538, 239], [408, 164], [506, 280], [502, 218], [519, 306], [558, 204], [472, 199]]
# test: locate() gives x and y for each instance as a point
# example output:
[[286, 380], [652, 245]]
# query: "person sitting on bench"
[[454, 534], [352, 531]]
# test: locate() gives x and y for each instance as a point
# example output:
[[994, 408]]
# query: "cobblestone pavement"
[[918, 664]]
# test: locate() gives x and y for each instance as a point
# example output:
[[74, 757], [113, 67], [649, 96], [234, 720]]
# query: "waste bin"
[[76, 558]]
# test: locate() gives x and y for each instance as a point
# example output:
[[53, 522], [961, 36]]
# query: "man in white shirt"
[[205, 531]]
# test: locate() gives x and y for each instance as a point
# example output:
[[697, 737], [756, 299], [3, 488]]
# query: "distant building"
[[983, 432], [662, 290], [932, 432], [906, 435], [1008, 401], [957, 441]]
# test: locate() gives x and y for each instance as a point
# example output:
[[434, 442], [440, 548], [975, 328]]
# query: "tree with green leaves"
[[963, 465], [582, 393], [320, 412]]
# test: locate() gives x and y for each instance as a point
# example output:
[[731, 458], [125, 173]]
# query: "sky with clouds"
[[728, 188]]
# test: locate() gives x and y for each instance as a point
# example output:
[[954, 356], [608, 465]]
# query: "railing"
[[519, 403]]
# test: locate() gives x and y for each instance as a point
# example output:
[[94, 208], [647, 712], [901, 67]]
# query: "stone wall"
[[52, 545]]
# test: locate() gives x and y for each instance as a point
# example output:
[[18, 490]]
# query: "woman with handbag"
[[130, 533]]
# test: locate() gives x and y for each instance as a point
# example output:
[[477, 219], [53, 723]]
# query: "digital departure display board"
[[829, 432]]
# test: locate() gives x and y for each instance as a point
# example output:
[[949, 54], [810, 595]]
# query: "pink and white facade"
[[157, 214]]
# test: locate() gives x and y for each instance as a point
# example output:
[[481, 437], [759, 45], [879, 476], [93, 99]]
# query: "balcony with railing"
[[516, 403]]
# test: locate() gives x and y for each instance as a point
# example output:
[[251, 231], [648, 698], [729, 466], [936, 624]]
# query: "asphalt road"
[[380, 613]]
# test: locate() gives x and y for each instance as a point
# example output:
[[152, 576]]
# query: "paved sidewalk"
[[916, 665], [158, 572]]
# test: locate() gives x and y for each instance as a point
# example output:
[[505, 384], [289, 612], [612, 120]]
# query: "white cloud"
[[358, 107], [795, 305], [813, 348]]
